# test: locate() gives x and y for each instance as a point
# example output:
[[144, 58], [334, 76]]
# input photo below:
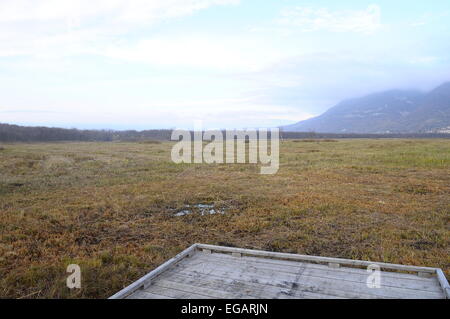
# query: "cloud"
[[319, 81], [146, 11], [423, 60], [114, 61], [418, 24], [54, 28], [201, 51], [216, 113], [311, 19]]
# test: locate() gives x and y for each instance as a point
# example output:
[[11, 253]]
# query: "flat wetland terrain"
[[114, 208]]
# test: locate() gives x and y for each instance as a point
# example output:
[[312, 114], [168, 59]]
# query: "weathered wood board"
[[206, 271]]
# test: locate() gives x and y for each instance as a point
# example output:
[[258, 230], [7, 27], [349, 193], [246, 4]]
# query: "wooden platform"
[[205, 271]]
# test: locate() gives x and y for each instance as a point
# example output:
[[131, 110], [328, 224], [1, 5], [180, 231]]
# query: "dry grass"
[[314, 140], [109, 208], [150, 142]]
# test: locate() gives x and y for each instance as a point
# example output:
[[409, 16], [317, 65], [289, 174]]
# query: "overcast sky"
[[144, 64]]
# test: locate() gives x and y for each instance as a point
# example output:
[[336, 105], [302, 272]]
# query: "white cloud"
[[55, 28], [225, 54], [144, 10], [216, 113], [137, 10], [418, 24], [423, 60], [322, 19]]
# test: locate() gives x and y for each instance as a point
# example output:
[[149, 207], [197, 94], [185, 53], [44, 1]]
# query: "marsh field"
[[113, 208]]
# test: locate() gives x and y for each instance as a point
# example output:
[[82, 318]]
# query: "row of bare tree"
[[16, 133]]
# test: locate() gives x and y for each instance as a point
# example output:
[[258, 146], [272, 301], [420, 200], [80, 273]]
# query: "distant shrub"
[[150, 142], [315, 140], [2, 148]]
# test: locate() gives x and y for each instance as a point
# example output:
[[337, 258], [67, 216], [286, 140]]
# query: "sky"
[[146, 64]]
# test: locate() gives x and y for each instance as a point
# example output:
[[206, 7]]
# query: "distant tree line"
[[16, 133]]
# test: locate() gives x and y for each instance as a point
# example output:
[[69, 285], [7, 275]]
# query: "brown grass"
[[150, 142], [109, 207], [314, 140]]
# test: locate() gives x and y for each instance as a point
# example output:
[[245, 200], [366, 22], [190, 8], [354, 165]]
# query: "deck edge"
[[157, 271], [341, 261], [443, 283]]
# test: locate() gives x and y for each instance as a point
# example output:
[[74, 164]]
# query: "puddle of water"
[[183, 212], [203, 209]]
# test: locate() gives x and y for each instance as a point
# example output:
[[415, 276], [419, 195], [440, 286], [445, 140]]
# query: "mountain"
[[394, 111]]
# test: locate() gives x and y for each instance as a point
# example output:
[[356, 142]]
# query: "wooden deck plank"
[[363, 271], [242, 289], [175, 293], [391, 280], [308, 258], [252, 273], [141, 294], [281, 288], [204, 290]]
